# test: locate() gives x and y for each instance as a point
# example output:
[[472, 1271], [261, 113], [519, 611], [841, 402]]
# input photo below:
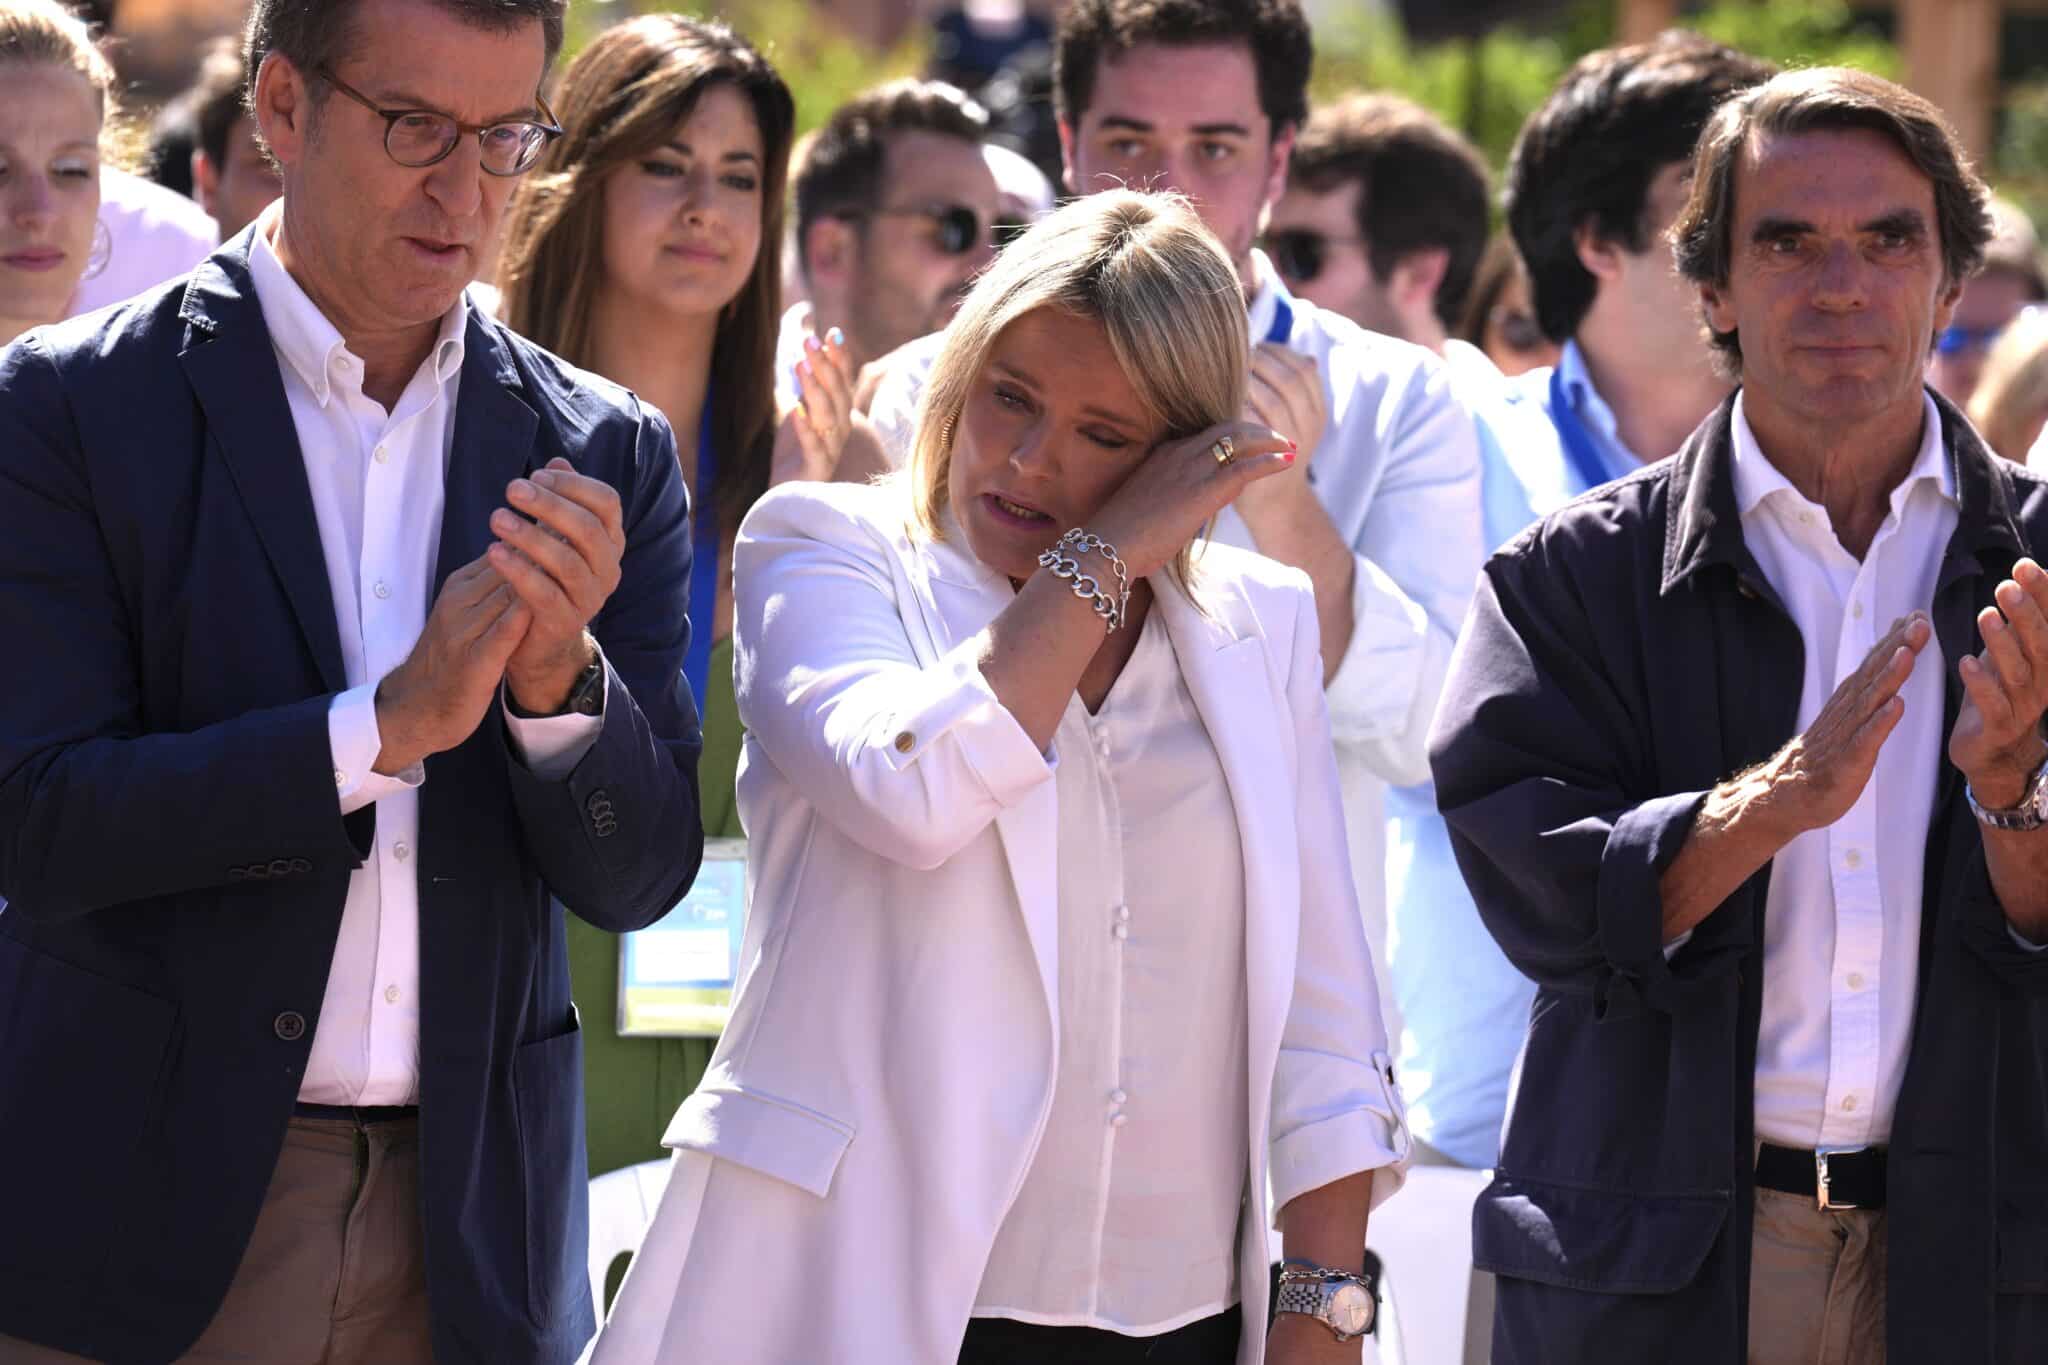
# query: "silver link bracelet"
[[1086, 586]]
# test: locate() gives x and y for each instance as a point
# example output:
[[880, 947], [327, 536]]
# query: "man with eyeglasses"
[[2011, 279], [347, 650], [895, 215]]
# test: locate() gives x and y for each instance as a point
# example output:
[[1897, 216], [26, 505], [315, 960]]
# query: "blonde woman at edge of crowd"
[[55, 93], [1053, 965]]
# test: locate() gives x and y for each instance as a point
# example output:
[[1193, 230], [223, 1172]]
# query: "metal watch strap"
[[2021, 818], [1311, 1290]]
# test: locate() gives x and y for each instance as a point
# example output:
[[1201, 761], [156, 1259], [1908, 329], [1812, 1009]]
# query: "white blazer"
[[871, 1111]]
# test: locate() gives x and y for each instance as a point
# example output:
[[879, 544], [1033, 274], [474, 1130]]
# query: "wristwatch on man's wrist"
[[2029, 814], [1347, 1304]]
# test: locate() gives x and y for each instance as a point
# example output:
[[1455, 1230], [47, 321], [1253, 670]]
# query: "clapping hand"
[[1997, 742], [814, 432], [564, 564]]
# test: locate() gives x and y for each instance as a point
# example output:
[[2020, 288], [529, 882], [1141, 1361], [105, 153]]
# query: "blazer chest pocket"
[[766, 1133], [81, 1059], [1603, 1240]]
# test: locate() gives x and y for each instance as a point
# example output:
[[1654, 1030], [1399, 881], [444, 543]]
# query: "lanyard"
[[1283, 322], [703, 564], [1578, 442]]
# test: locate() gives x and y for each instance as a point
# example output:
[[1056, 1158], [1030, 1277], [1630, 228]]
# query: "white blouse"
[[1128, 1217]]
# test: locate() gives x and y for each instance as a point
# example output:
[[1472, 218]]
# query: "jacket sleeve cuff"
[[1369, 1132], [354, 741], [1642, 844], [954, 702]]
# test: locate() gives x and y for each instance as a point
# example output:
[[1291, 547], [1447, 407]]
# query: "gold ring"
[[1224, 451]]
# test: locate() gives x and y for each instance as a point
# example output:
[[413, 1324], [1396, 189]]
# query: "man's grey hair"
[[315, 34]]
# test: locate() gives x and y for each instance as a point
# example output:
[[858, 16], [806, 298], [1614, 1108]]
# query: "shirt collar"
[[1267, 294], [1757, 479], [311, 344]]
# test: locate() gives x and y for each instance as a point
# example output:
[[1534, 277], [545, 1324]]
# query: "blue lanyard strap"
[[1579, 450], [1283, 322], [703, 564]]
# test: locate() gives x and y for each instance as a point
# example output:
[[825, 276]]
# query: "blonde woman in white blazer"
[[1052, 966]]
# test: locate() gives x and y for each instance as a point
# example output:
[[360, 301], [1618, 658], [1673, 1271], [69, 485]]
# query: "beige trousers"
[[1816, 1284], [334, 1273]]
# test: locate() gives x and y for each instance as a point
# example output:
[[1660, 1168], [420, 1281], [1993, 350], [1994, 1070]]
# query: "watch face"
[[1350, 1309]]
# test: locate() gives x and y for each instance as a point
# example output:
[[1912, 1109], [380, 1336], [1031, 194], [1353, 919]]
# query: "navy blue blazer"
[[1623, 657], [174, 857]]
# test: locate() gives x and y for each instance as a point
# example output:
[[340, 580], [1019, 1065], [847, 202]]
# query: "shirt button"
[[391, 994], [1855, 981], [401, 850], [1117, 1097], [905, 742], [1852, 858], [383, 456], [1121, 932], [1118, 1120], [1123, 912], [1856, 610], [1849, 1105], [340, 778], [382, 589]]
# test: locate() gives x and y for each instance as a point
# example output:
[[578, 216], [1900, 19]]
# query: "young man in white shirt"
[[1743, 760], [1382, 512]]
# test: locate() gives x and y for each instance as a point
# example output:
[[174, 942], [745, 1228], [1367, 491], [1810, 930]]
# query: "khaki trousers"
[[1816, 1283], [334, 1273]]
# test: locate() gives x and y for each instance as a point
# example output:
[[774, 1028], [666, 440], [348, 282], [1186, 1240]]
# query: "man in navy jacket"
[[1742, 760], [284, 878]]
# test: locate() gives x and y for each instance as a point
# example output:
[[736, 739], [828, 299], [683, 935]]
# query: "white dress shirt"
[[1842, 919], [1128, 1217], [378, 482]]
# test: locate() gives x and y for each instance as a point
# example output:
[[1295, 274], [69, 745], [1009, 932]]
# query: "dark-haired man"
[[895, 215], [1384, 220], [1205, 97], [1743, 760], [232, 177], [357, 636]]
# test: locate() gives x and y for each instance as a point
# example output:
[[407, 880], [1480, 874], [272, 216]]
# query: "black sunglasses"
[[1300, 254], [958, 227], [421, 137]]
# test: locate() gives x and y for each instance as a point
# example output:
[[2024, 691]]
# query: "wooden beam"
[[1639, 21], [1950, 49]]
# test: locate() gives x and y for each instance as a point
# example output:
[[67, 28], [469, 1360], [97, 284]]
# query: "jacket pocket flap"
[[764, 1133], [1609, 1241], [2023, 1244]]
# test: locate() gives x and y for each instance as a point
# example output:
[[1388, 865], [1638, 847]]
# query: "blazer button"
[[281, 867], [905, 742], [290, 1026], [301, 865], [237, 874]]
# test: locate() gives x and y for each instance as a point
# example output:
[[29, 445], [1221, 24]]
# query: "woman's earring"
[[102, 250], [946, 434]]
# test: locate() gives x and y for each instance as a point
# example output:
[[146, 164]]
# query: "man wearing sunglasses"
[[2010, 280], [348, 635], [895, 215]]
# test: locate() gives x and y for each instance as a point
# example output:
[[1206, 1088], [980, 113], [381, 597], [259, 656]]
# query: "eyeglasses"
[[421, 137], [1954, 341], [1300, 254], [959, 227]]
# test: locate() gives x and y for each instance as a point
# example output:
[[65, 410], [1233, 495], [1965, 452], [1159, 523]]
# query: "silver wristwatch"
[[1347, 1304], [2031, 813]]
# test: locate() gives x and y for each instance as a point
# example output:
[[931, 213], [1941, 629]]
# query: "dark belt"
[[359, 1114], [1833, 1180]]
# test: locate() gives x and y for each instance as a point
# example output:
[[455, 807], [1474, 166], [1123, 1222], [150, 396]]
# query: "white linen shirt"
[[1128, 1217], [1842, 917], [378, 482]]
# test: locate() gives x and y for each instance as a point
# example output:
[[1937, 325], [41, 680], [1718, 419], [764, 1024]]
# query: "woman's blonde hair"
[[43, 32], [2013, 393], [1144, 267]]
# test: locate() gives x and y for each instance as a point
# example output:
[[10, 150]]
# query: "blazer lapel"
[[233, 371], [493, 445], [1225, 668]]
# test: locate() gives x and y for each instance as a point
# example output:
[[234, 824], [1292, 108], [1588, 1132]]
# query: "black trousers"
[[1002, 1341]]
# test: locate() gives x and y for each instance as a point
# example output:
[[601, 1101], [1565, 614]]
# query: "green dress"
[[633, 1086]]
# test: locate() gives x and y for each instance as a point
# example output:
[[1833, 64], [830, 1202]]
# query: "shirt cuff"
[[550, 747], [2024, 941], [354, 741]]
